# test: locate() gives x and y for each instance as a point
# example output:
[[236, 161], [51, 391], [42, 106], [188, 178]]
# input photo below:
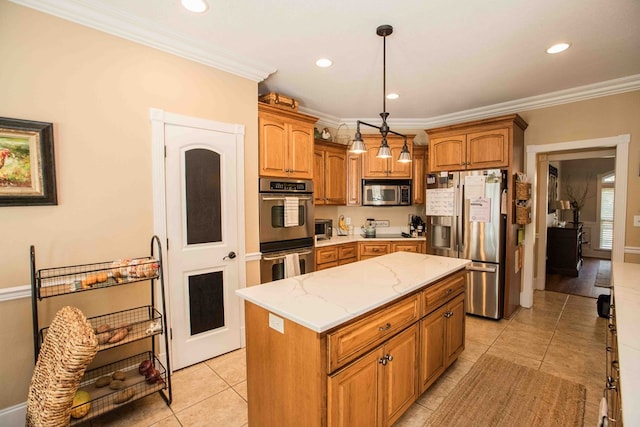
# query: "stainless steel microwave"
[[386, 193]]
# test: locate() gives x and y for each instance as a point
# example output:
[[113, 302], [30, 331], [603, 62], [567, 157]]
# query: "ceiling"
[[449, 61]]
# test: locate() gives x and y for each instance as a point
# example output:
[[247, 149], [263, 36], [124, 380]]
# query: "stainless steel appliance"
[[286, 225], [464, 220], [386, 192], [324, 229]]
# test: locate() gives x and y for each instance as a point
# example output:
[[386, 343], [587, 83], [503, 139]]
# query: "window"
[[606, 196]]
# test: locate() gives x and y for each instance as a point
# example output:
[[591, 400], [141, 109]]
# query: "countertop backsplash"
[[398, 216]]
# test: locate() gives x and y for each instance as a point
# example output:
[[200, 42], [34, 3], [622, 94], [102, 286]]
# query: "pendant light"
[[384, 152]]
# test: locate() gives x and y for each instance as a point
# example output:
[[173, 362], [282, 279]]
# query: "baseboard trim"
[[14, 415]]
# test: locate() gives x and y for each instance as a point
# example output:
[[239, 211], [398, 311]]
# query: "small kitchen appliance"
[[369, 228], [324, 229]]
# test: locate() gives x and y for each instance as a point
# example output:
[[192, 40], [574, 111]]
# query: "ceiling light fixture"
[[559, 47], [324, 63], [196, 6], [357, 146], [393, 96]]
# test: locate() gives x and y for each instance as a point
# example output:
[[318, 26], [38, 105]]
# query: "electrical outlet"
[[636, 220], [276, 323], [382, 223]]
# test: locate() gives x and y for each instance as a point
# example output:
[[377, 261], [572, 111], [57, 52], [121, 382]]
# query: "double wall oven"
[[286, 225]]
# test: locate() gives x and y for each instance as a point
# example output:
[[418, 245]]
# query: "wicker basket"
[[279, 100], [67, 350], [523, 215], [523, 191]]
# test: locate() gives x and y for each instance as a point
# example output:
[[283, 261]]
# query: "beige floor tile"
[[171, 421], [539, 318], [414, 417], [458, 369], [473, 350], [484, 331], [231, 367], [140, 413], [514, 357], [546, 299], [226, 408], [194, 385], [530, 344], [241, 389], [433, 397]]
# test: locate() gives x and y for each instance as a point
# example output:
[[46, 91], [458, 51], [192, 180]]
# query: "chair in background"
[[69, 346]]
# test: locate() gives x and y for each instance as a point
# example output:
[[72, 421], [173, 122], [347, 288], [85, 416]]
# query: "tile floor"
[[561, 335]]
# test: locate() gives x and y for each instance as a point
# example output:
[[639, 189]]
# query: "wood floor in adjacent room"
[[584, 284]]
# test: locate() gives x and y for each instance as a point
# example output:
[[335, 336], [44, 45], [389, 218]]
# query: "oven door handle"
[[282, 198], [282, 257]]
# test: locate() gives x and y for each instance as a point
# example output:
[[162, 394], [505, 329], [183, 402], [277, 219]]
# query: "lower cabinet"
[[379, 387], [441, 339], [334, 255]]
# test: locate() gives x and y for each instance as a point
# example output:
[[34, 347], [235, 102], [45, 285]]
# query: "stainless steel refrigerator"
[[466, 218]]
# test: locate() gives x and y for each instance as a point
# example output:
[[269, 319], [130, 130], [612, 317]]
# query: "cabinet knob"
[[385, 327], [448, 314], [382, 361], [388, 357]]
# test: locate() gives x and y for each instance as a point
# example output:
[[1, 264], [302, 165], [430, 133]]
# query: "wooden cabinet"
[[379, 387], [329, 174], [480, 150], [408, 246], [372, 249], [442, 340], [354, 179], [285, 143], [334, 255], [564, 250], [366, 372], [419, 173], [373, 167]]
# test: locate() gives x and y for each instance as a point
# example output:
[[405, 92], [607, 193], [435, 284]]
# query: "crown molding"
[[106, 19]]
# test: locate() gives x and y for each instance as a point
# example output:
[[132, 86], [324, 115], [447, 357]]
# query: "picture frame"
[[553, 189], [27, 163]]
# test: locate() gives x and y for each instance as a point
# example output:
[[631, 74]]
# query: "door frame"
[[621, 145], [159, 118]]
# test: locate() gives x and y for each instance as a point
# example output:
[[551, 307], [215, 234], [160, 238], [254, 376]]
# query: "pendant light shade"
[[405, 155], [384, 152]]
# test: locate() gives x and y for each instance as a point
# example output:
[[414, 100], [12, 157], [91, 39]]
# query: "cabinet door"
[[354, 179], [300, 151], [395, 168], [447, 153], [372, 166], [400, 374], [406, 247], [354, 394], [419, 174], [432, 347], [455, 328], [318, 177], [488, 149], [272, 147], [335, 177]]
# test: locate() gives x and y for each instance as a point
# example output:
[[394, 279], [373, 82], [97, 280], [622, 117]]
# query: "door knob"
[[230, 255]]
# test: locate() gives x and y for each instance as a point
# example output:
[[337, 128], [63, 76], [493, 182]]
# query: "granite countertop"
[[327, 298], [625, 278]]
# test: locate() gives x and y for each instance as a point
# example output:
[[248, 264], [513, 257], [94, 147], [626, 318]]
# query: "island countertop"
[[324, 299]]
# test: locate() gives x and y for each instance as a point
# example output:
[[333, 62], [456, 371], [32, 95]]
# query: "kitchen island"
[[355, 344]]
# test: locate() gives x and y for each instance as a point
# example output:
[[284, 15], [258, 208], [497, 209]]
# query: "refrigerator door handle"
[[481, 269]]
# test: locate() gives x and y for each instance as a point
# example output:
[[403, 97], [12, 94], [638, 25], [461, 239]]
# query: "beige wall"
[[97, 90], [596, 118]]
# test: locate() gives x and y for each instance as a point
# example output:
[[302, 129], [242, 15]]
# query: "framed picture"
[[27, 166], [553, 189]]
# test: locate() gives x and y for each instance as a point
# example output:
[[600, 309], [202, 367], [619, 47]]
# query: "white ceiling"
[[449, 60]]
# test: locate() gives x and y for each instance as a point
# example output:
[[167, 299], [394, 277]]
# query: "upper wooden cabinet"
[[329, 174], [419, 173], [285, 143], [373, 167], [482, 144]]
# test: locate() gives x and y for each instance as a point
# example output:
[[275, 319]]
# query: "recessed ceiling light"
[[196, 6], [557, 48], [324, 62], [393, 96]]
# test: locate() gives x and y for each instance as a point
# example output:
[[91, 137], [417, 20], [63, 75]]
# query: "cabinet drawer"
[[347, 251], [436, 295], [357, 338], [373, 249], [406, 247], [328, 254]]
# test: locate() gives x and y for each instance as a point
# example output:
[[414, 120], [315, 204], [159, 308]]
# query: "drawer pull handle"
[[448, 291], [385, 327]]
